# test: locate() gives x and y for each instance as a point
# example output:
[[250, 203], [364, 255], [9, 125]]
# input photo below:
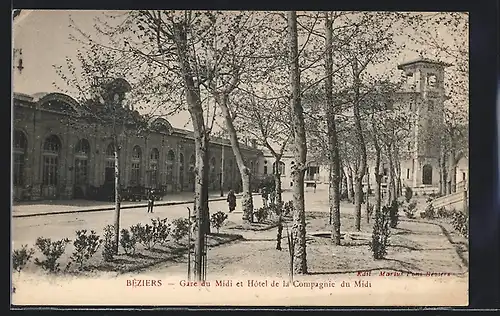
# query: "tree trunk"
[[377, 174], [360, 143], [367, 197], [333, 148], [397, 166], [279, 201], [344, 185], [300, 150], [201, 141], [392, 183], [451, 172], [277, 182], [442, 173], [117, 195], [350, 186], [246, 199]]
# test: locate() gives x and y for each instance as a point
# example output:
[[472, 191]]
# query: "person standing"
[[151, 201], [231, 200], [264, 196]]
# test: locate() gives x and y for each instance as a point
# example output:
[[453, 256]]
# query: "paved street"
[[25, 230]]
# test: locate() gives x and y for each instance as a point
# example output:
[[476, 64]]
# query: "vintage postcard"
[[240, 158]]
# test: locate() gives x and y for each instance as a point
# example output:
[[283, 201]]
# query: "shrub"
[[52, 251], [460, 223], [181, 228], [393, 214], [85, 246], [261, 214], [161, 230], [150, 235], [217, 219], [288, 208], [411, 209], [429, 212], [128, 241], [380, 234], [408, 194], [108, 249], [442, 213], [21, 257]]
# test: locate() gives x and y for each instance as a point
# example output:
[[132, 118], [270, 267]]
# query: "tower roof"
[[423, 61]]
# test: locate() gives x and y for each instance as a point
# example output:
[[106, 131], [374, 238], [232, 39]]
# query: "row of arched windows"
[[51, 161]]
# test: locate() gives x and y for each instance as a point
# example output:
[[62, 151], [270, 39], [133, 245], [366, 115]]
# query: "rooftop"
[[425, 61]]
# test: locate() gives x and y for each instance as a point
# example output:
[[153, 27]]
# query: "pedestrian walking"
[[264, 195], [151, 201], [314, 186], [231, 200]]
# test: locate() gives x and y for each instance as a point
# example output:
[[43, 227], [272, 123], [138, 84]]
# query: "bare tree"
[[96, 79], [300, 149]]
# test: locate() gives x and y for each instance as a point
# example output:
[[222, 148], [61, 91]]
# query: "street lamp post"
[[222, 171]]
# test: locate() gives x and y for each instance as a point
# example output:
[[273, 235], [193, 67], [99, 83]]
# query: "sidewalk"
[[53, 207]]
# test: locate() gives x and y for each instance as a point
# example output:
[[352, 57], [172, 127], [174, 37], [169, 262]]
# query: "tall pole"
[[222, 171], [189, 244], [117, 180]]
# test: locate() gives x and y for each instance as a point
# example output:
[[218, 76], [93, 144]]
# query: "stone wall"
[[455, 201]]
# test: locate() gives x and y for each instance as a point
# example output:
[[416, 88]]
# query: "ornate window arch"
[[51, 152], [20, 150], [281, 168], [170, 166], [82, 152], [153, 167], [135, 178], [213, 172]]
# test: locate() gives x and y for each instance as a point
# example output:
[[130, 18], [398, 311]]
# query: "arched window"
[[281, 168], [82, 151], [109, 171], [191, 175], [181, 170], [51, 151], [229, 175], [153, 168], [170, 166], [265, 166], [427, 174], [192, 163], [20, 148], [213, 172], [135, 176]]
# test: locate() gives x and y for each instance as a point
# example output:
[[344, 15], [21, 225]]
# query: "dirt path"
[[416, 248]]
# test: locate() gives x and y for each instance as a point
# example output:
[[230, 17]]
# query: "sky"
[[43, 37]]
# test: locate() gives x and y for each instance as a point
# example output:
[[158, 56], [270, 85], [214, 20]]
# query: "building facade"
[[422, 95], [55, 159]]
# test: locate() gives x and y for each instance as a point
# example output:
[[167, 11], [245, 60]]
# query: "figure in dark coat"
[[231, 200], [151, 201]]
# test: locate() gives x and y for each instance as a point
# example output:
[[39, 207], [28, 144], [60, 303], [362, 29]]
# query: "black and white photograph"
[[239, 158]]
